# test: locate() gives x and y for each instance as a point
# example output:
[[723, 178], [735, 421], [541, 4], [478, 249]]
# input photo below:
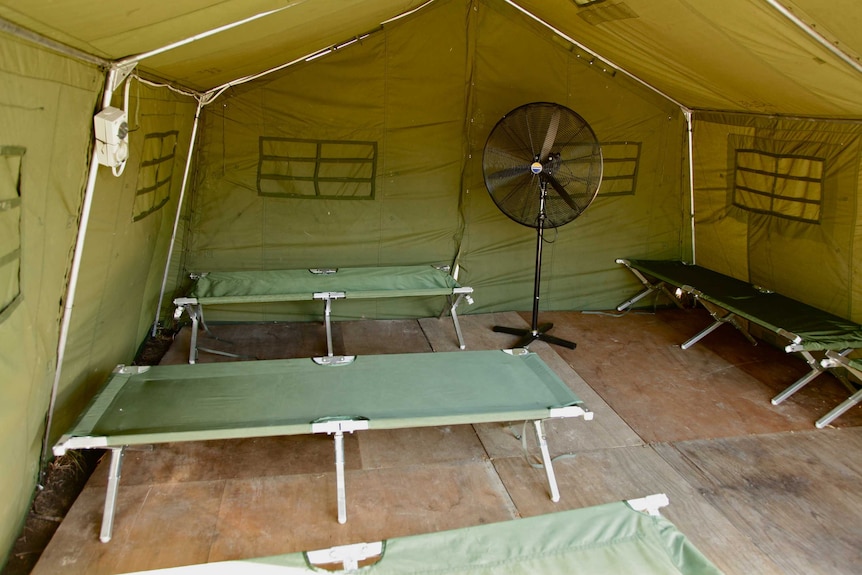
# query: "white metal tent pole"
[[819, 38], [72, 286], [688, 123], [137, 58], [53, 45], [214, 93], [594, 54], [178, 215]]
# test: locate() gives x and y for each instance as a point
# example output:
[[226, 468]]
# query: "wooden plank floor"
[[756, 488]]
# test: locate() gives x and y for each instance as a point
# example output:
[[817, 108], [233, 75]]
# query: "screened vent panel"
[[619, 168], [10, 227], [785, 186], [155, 176], [317, 169]]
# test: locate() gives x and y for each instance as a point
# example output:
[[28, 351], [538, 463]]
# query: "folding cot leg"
[[816, 369], [341, 491], [454, 315], [193, 346], [802, 381], [709, 329], [650, 288], [111, 495], [327, 321], [196, 313], [630, 302], [845, 405], [327, 298], [451, 306], [546, 460], [336, 428], [727, 318]]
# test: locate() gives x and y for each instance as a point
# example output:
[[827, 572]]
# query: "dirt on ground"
[[62, 481]]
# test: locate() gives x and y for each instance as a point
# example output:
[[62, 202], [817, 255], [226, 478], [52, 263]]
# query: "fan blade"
[[508, 157], [551, 135], [512, 172], [563, 193]]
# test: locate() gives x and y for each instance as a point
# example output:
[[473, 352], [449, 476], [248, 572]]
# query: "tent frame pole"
[[178, 216], [592, 53], [72, 286], [689, 132], [53, 45], [138, 57], [815, 35]]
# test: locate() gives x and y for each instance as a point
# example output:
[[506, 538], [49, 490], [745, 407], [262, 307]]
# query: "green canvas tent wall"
[[686, 98]]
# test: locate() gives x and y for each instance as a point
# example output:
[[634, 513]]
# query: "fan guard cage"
[[542, 144]]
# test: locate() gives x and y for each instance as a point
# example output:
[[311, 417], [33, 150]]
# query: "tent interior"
[[689, 100]]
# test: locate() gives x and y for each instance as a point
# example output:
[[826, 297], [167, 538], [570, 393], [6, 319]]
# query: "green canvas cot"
[[619, 537], [322, 284], [142, 404]]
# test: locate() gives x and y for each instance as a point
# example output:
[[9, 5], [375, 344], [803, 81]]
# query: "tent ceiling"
[[734, 55], [116, 30], [737, 55]]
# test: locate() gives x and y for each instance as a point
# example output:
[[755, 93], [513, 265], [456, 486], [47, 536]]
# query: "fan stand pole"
[[537, 331]]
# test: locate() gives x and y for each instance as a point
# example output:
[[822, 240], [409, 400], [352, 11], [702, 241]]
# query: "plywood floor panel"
[[795, 494], [476, 329], [635, 363], [264, 341], [286, 340], [379, 448], [382, 336], [156, 526], [227, 459]]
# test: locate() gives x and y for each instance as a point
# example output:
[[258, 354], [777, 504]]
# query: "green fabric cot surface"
[[609, 538], [286, 285], [284, 397], [819, 330]]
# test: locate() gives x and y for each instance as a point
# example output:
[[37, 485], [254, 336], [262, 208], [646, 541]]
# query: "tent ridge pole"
[[815, 35], [593, 53], [178, 215], [59, 47], [137, 58], [212, 94]]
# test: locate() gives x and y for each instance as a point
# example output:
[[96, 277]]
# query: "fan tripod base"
[[528, 336]]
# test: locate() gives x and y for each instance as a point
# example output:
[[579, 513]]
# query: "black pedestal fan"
[[543, 167]]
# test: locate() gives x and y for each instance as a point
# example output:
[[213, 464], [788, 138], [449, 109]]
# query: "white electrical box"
[[112, 128]]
